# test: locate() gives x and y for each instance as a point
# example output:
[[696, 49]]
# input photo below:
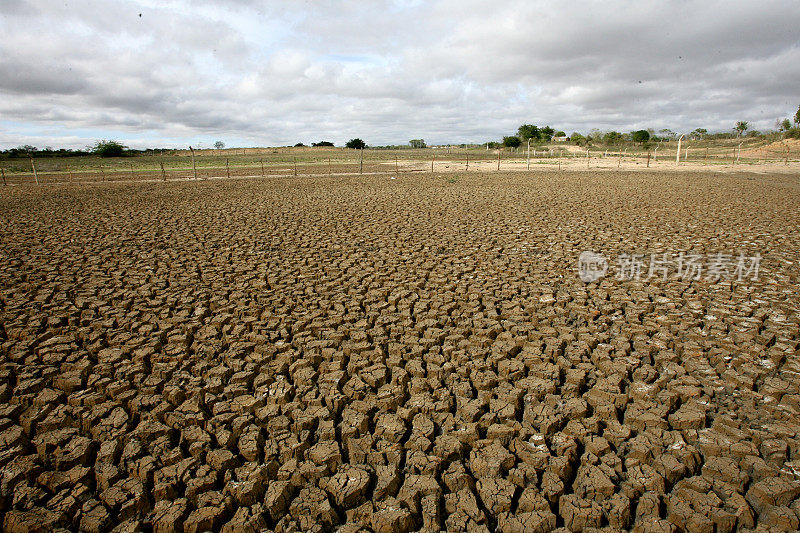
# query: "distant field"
[[177, 164]]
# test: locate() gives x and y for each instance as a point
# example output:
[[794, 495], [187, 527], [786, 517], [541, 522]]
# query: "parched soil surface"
[[391, 355]]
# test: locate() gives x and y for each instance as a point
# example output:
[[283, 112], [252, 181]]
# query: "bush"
[[640, 136], [322, 143], [356, 143], [512, 141], [792, 133], [108, 149]]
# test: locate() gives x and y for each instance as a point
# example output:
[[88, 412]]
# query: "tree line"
[[526, 133], [545, 134], [102, 148]]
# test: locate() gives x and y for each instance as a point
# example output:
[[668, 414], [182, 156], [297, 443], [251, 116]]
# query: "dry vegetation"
[[313, 353]]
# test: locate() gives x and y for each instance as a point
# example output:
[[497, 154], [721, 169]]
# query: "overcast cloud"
[[171, 73]]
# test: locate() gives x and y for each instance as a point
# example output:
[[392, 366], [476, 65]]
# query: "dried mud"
[[349, 354]]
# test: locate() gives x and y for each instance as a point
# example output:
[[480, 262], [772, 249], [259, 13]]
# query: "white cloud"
[[278, 72]]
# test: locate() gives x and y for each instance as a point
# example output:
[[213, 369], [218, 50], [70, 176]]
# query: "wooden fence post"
[[498, 159], [529, 154], [361, 162], [35, 175], [396, 167], [194, 168], [163, 172], [648, 159], [262, 168], [295, 167], [433, 158], [467, 162], [3, 172], [102, 174], [227, 168]]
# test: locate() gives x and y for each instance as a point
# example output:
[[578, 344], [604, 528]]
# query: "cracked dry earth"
[[351, 354]]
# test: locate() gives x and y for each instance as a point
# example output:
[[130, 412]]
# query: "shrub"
[[577, 138], [356, 143], [792, 133], [108, 149]]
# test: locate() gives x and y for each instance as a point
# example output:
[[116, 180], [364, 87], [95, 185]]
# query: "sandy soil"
[[380, 354]]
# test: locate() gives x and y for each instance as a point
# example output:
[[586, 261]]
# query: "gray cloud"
[[278, 72]]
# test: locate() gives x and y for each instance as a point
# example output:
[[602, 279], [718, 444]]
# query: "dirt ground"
[[396, 353]]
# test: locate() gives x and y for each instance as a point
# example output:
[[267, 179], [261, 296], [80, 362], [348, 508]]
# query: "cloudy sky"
[[266, 73]]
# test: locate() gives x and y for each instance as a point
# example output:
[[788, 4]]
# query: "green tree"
[[783, 125], [356, 143], [741, 127], [322, 143], [797, 117], [700, 132], [640, 136], [219, 145], [417, 143], [560, 134], [528, 131], [577, 138], [106, 148], [511, 141], [546, 134], [612, 137]]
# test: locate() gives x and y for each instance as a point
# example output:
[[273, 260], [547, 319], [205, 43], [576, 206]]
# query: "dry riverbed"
[[388, 355]]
